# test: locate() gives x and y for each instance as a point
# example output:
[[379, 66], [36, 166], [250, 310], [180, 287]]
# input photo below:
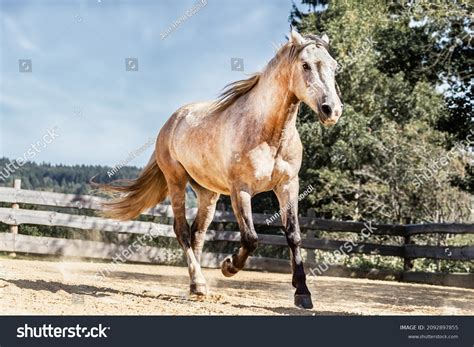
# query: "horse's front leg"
[[287, 194], [242, 207]]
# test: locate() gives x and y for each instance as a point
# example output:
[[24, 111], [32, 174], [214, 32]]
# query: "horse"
[[243, 143]]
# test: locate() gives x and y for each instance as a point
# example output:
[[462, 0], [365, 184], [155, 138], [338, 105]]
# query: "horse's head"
[[312, 76]]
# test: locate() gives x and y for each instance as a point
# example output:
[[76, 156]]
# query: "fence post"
[[407, 262], [310, 234], [310, 253], [14, 228]]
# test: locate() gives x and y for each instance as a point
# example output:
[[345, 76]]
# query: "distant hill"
[[61, 178]]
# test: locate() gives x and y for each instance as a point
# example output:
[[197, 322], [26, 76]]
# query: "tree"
[[388, 159]]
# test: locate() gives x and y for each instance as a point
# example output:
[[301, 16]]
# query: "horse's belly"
[[206, 172], [210, 183]]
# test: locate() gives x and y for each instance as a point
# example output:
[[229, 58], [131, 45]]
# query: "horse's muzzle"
[[329, 121], [328, 114]]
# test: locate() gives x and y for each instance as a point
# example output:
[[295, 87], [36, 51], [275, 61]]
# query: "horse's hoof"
[[303, 301], [198, 289], [228, 269]]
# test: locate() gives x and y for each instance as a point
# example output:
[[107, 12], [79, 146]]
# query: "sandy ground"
[[70, 288]]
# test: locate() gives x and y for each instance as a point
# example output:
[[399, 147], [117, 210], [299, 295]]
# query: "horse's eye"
[[306, 66]]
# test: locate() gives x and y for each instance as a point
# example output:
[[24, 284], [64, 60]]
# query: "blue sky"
[[79, 83]]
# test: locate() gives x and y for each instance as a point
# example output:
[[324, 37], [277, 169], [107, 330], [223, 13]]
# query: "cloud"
[[14, 29]]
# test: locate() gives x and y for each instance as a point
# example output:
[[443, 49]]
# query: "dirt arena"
[[70, 288]]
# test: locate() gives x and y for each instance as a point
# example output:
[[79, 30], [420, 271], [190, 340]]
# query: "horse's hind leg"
[[207, 200], [241, 204], [176, 178]]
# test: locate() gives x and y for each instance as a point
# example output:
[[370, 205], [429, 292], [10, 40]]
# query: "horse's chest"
[[268, 167]]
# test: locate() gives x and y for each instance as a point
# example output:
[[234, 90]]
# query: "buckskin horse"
[[241, 144]]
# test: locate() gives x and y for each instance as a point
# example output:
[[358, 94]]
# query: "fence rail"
[[15, 217]]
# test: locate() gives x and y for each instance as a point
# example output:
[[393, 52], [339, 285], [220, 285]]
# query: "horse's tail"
[[142, 193]]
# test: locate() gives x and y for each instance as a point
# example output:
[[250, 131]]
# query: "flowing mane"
[[235, 90]]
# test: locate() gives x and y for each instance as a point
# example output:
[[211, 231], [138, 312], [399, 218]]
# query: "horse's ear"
[[325, 38], [295, 37]]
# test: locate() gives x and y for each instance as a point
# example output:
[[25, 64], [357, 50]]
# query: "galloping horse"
[[242, 144]]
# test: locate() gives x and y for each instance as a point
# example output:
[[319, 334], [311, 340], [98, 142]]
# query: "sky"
[[76, 80]]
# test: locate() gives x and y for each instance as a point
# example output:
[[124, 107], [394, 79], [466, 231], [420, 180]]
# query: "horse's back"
[[194, 137]]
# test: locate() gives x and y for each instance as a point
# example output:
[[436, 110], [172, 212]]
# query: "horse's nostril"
[[327, 110]]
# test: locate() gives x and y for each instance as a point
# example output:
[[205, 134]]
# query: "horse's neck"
[[276, 105]]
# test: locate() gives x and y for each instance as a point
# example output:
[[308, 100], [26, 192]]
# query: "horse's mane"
[[235, 90]]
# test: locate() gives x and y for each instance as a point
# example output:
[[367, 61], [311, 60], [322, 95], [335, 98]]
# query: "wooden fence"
[[15, 242]]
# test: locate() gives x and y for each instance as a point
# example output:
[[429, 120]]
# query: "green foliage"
[[398, 154], [395, 61]]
